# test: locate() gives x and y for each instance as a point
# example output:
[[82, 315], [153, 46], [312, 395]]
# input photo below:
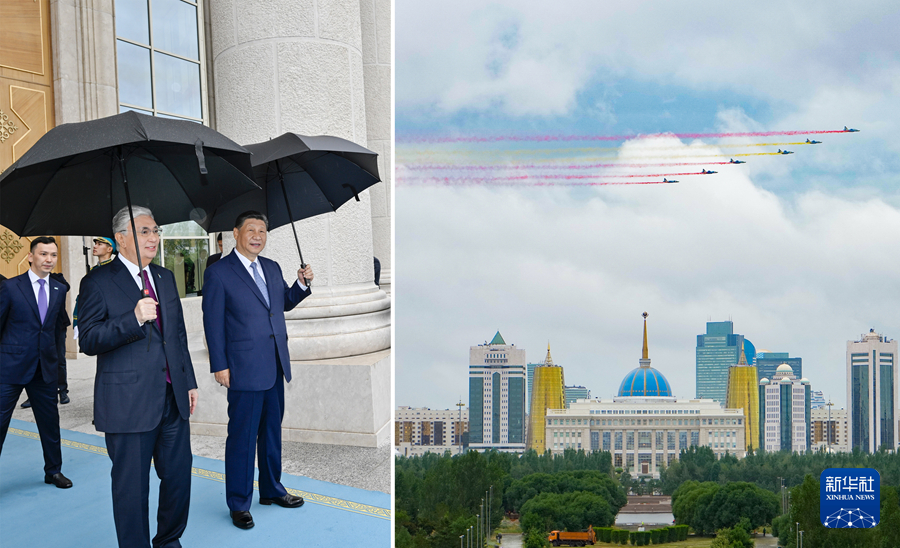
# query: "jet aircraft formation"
[[484, 162]]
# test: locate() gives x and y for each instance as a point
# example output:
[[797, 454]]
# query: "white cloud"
[[448, 54], [577, 268]]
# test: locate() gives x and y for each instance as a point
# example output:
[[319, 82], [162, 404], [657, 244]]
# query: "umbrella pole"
[[291, 219], [137, 247]]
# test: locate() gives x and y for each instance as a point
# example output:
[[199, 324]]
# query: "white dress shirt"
[[247, 262], [37, 287], [133, 269]]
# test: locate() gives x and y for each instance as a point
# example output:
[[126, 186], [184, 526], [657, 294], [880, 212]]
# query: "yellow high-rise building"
[[548, 392], [743, 393]]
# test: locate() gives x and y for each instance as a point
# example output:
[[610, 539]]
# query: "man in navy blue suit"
[[244, 301], [144, 390], [32, 311]]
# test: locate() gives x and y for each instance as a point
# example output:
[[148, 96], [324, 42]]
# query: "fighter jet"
[[668, 181], [733, 161], [850, 130], [704, 172], [813, 142], [784, 151]]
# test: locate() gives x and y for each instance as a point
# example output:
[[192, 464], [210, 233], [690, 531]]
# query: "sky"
[[799, 251]]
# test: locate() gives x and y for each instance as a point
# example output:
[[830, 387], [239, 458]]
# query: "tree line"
[[438, 496]]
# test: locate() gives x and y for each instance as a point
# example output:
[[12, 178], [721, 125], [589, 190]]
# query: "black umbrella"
[[300, 177], [77, 176]]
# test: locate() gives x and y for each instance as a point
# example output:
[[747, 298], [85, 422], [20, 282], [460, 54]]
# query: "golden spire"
[[743, 360], [548, 361], [646, 353]]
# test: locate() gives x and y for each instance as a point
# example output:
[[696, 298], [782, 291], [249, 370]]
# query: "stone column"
[[279, 66], [377, 58], [84, 85]]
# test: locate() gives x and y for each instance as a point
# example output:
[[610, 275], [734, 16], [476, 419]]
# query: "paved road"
[[511, 540]]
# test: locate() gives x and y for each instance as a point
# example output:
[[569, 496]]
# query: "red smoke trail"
[[508, 181], [556, 177], [565, 138], [428, 167], [473, 181]]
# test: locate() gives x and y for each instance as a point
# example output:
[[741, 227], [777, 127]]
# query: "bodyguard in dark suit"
[[32, 310], [144, 390], [244, 301]]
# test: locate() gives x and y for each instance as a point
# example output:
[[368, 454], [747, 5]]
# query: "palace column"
[[284, 65]]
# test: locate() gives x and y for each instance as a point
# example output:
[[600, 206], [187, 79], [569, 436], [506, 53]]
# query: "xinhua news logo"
[[850, 498]]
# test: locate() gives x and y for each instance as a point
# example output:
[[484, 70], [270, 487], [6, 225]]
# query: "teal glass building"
[[767, 363], [717, 350], [872, 381], [497, 396]]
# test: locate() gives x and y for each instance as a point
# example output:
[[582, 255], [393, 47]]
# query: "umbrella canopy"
[[73, 180], [300, 177]]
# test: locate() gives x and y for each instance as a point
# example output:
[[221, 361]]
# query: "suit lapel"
[[122, 277], [242, 273], [53, 290], [160, 293], [28, 291], [271, 277]]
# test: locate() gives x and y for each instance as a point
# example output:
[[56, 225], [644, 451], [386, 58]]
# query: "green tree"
[[732, 537], [690, 505], [573, 511], [737, 500], [535, 539]]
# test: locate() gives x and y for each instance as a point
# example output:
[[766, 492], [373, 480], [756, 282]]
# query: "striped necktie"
[[260, 283]]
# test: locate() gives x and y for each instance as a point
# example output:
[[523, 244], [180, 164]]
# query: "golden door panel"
[[24, 41], [26, 103]]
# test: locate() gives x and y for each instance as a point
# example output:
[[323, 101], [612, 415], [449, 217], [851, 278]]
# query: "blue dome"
[[645, 381]]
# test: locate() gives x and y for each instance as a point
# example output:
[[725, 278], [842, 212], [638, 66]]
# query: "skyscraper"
[[497, 396], [548, 393], [575, 393], [744, 394], [784, 412], [717, 350], [872, 392], [529, 371], [767, 363]]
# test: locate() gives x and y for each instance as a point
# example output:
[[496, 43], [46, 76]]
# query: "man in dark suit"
[[32, 310], [244, 301], [144, 390], [216, 256]]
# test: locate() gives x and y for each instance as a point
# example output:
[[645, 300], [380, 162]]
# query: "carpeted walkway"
[[35, 514]]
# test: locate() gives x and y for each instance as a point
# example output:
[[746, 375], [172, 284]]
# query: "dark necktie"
[[149, 287]]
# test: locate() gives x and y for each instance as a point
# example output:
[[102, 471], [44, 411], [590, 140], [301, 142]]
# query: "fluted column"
[[376, 51], [286, 65]]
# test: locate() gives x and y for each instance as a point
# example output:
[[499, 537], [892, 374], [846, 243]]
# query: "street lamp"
[[461, 541], [798, 532]]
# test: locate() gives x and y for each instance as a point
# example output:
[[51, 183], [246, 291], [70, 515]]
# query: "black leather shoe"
[[26, 404], [64, 398], [242, 519], [287, 501], [58, 480]]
